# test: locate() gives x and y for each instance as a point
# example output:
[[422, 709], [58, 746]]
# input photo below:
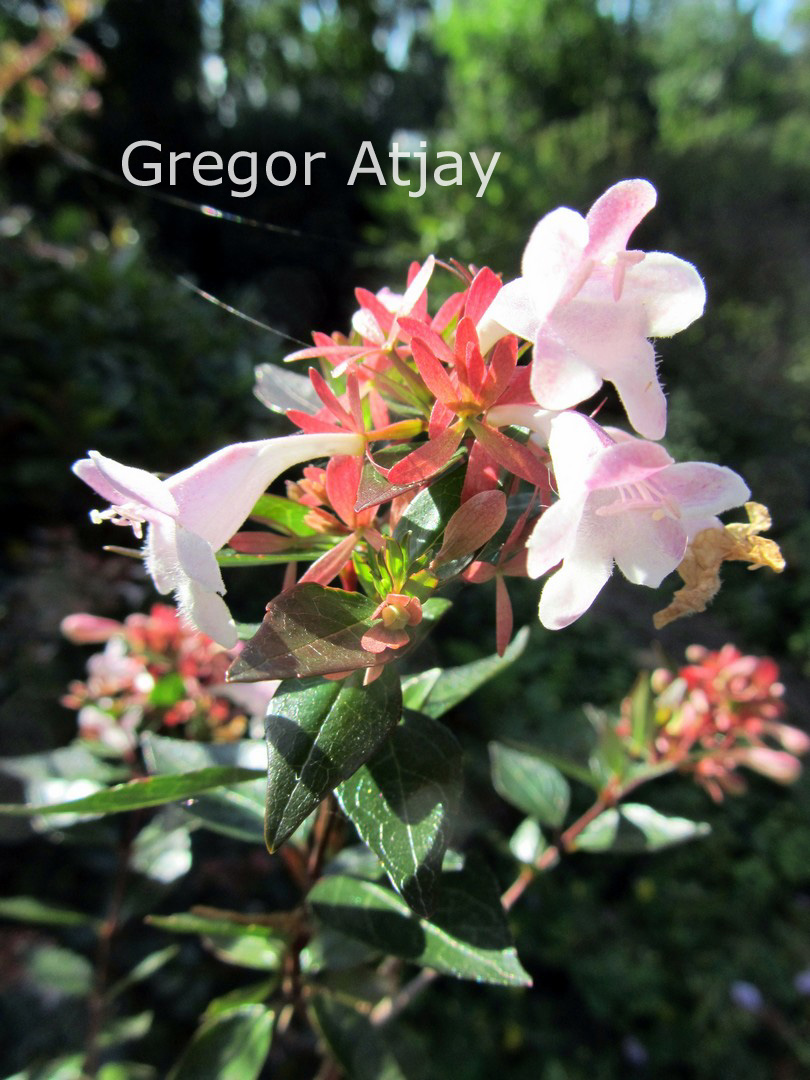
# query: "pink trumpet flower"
[[192, 514], [622, 501], [590, 306]]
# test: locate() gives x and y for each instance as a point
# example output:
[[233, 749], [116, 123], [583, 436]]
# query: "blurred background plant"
[[638, 963]]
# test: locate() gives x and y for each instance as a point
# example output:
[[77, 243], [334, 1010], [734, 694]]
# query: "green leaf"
[[530, 783], [249, 945], [151, 791], [402, 802], [416, 688], [366, 1052], [467, 937], [527, 841], [254, 994], [309, 630], [229, 557], [427, 515], [455, 684], [59, 969], [168, 690], [162, 849], [238, 811], [329, 950], [30, 910], [286, 515], [637, 827], [144, 970], [319, 732], [233, 1046]]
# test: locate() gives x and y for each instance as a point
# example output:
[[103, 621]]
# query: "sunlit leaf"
[[319, 732], [530, 783], [402, 802], [467, 936], [232, 1046], [636, 827]]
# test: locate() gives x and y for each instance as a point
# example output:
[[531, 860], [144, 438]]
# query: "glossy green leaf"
[[402, 802], [151, 791], [454, 685], [427, 515], [309, 630], [467, 936], [237, 811], [233, 1046], [530, 783], [319, 732], [635, 827]]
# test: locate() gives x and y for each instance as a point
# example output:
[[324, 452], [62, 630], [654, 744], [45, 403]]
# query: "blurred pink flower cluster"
[[719, 712], [157, 673]]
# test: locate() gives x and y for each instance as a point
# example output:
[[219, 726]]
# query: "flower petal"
[[560, 377], [216, 495], [615, 215], [670, 291], [646, 550], [198, 560], [575, 443], [554, 536], [124, 484], [208, 612], [571, 591], [628, 462], [698, 487]]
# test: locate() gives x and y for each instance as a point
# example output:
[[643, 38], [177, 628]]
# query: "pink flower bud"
[[84, 629]]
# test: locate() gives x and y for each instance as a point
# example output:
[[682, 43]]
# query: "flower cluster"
[[718, 713], [472, 408], [154, 673]]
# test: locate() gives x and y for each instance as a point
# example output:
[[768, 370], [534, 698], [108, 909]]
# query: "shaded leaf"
[[30, 910], [637, 827], [402, 802], [329, 950], [530, 783], [467, 937], [143, 970], [427, 515], [285, 514], [233, 1046], [365, 1052], [151, 791], [319, 733]]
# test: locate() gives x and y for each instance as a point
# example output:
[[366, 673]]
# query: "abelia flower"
[[192, 514], [464, 388], [395, 613], [622, 500], [590, 306]]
